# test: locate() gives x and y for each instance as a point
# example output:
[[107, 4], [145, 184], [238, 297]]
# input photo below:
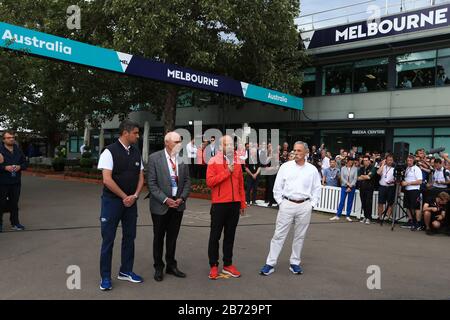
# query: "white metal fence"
[[329, 202]]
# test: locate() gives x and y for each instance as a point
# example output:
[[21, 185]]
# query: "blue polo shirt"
[[331, 176]]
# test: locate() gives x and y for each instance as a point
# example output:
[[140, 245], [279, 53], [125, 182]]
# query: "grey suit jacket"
[[158, 180]]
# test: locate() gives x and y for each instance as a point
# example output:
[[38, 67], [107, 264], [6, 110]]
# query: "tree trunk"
[[170, 109], [51, 144]]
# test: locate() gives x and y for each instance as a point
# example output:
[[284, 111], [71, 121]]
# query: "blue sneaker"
[[18, 227], [106, 285], [130, 276], [296, 269], [266, 270]]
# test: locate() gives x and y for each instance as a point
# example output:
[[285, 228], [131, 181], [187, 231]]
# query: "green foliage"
[[250, 40]]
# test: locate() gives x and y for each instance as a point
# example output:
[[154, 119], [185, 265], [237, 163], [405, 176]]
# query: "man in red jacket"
[[224, 177]]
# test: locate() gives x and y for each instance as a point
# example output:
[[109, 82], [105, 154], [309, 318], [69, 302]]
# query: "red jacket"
[[225, 186]]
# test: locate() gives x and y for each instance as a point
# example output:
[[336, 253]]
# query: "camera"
[[399, 171]]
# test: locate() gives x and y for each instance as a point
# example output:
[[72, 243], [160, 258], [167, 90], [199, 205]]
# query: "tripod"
[[395, 207]]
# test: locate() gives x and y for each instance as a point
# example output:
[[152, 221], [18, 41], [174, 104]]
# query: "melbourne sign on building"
[[419, 20]]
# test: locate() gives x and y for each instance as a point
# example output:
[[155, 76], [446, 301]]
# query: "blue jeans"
[[113, 212], [344, 194]]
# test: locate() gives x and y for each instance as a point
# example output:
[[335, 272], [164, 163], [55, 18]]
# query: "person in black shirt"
[[434, 212], [253, 169], [14, 163], [366, 187]]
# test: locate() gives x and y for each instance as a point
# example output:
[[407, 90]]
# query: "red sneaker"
[[232, 271], [214, 273]]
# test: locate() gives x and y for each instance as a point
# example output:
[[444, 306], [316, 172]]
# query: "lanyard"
[[386, 172], [174, 168]]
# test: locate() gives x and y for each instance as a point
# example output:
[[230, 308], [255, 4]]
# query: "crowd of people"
[[425, 180], [293, 181]]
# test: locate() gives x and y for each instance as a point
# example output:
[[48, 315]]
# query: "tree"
[[48, 97], [255, 40], [250, 40]]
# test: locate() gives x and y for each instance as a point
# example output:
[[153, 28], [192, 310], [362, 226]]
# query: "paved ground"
[[62, 223]]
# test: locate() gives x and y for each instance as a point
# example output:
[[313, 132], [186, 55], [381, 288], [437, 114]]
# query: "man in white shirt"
[[412, 182], [440, 180], [297, 191], [386, 192], [325, 160], [123, 179], [191, 150]]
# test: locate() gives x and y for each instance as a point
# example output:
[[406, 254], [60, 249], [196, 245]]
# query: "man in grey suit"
[[169, 185], [210, 150]]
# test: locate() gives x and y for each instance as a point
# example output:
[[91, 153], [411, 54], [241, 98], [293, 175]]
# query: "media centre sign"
[[368, 132]]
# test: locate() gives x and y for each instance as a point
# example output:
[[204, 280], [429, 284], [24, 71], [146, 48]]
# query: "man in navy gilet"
[[123, 179]]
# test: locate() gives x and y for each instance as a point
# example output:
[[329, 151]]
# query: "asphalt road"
[[63, 230]]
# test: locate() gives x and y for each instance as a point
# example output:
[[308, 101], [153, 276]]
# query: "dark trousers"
[[201, 171], [12, 193], [168, 226], [366, 196], [192, 169], [113, 212], [224, 216], [269, 191], [251, 186]]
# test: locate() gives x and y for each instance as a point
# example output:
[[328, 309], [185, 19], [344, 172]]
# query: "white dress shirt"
[[387, 176], [297, 183], [106, 159], [413, 174], [191, 150]]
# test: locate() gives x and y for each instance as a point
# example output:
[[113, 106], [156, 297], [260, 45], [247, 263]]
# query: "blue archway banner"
[[50, 46]]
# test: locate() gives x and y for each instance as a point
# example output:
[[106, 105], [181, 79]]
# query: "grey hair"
[[170, 135], [305, 145]]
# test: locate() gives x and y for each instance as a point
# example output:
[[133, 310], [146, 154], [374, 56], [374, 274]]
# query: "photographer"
[[386, 193], [366, 176], [434, 212], [440, 179], [412, 182], [426, 168]]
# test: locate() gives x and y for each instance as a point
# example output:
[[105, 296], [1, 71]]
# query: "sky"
[[356, 11]]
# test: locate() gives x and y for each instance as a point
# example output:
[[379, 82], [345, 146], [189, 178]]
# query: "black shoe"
[[177, 273], [159, 275], [430, 232]]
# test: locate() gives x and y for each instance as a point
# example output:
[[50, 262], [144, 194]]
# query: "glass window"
[[412, 56], [415, 142], [413, 132], [416, 74], [442, 71], [444, 52], [74, 144], [337, 79], [371, 75], [442, 131], [309, 82], [442, 142]]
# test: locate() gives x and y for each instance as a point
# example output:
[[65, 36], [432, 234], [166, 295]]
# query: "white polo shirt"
[[106, 159], [440, 175], [387, 176], [413, 174]]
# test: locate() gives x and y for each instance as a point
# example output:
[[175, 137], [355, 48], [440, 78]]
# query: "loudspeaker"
[[401, 152]]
